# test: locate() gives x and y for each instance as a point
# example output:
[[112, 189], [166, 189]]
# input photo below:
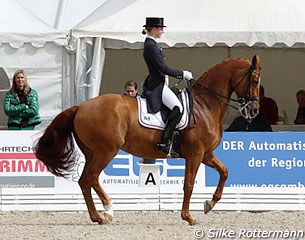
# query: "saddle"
[[158, 120]]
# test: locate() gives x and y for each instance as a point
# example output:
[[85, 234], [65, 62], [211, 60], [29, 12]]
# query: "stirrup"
[[171, 153], [167, 147]]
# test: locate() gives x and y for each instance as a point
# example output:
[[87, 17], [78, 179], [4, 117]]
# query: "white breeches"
[[169, 99]]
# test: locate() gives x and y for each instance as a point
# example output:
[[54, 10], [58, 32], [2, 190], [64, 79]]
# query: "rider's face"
[[157, 32]]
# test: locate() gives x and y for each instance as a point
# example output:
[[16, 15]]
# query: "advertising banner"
[[19, 168], [261, 159], [122, 174]]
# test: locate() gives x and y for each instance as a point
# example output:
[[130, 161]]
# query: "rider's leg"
[[170, 100]]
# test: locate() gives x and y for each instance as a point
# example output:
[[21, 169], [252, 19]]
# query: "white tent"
[[61, 14], [201, 22], [275, 29], [19, 26], [27, 42]]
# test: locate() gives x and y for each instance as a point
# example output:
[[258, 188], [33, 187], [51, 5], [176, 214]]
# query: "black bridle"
[[244, 100]]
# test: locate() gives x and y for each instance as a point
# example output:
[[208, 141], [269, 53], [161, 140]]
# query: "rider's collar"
[[149, 36]]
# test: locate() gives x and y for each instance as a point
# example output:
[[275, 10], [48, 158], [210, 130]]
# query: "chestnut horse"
[[103, 125]]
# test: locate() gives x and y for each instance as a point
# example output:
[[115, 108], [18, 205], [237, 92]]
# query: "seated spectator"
[[300, 118], [131, 88], [257, 124], [268, 107]]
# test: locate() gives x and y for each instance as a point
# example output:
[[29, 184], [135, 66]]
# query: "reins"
[[243, 101]]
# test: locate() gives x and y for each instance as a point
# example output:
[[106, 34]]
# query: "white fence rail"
[[243, 199]]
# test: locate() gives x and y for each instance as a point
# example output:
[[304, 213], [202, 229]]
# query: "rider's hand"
[[187, 75]]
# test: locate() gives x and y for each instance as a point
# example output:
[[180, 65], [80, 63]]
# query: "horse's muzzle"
[[250, 110]]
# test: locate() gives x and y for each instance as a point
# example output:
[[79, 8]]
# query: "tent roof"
[[201, 22], [61, 14], [19, 26]]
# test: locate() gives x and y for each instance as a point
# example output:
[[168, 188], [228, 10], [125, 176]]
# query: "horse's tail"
[[56, 147]]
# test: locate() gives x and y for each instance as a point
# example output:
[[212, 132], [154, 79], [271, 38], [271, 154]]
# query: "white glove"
[[187, 75]]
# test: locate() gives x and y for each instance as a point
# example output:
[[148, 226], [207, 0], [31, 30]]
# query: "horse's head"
[[247, 89]]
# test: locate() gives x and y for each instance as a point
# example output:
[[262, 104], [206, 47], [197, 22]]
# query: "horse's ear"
[[256, 62]]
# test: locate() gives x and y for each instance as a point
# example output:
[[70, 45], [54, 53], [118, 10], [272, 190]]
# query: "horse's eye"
[[256, 74]]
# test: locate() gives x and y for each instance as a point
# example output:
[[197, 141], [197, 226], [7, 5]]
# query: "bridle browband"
[[244, 100]]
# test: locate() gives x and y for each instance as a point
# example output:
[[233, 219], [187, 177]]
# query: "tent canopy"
[[27, 42], [200, 22], [19, 26], [61, 14]]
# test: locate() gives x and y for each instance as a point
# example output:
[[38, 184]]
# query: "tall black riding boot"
[[165, 145]]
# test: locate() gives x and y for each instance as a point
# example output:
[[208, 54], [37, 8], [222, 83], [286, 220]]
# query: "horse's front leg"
[[213, 162], [191, 169]]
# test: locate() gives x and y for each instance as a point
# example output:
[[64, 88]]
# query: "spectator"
[[300, 118], [268, 107], [21, 104], [131, 88], [257, 124]]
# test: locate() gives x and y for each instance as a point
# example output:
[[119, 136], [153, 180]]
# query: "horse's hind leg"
[[213, 162], [108, 214], [90, 179]]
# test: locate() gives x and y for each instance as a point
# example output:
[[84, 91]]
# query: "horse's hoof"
[[103, 221], [108, 218], [100, 220], [207, 206], [194, 223]]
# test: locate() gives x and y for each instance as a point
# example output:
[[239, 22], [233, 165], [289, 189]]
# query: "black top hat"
[[154, 22]]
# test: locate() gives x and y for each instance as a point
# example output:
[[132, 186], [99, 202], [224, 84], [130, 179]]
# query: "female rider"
[[155, 89]]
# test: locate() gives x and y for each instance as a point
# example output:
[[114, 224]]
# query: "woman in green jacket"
[[21, 104]]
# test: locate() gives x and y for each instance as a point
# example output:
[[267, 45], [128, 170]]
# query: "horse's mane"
[[213, 79], [216, 66]]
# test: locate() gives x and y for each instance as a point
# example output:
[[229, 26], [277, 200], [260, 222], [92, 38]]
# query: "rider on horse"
[[155, 88]]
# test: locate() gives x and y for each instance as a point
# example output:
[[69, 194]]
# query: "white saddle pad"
[[154, 120]]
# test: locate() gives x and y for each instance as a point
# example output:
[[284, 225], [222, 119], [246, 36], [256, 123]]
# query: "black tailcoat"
[[153, 85]]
